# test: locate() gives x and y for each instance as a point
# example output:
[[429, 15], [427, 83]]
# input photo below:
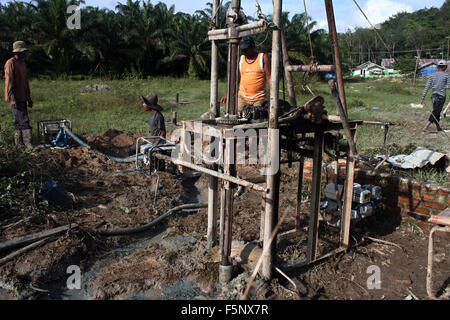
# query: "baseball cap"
[[442, 63], [247, 42]]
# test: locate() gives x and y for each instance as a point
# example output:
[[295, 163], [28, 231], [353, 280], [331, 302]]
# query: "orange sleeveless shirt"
[[253, 79]]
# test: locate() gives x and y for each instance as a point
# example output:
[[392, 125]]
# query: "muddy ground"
[[171, 261]]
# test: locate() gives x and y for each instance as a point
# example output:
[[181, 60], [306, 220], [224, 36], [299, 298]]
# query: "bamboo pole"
[[350, 173], [214, 106], [222, 214], [286, 64], [214, 113], [230, 146], [233, 58], [344, 119], [272, 197], [335, 50], [315, 198], [298, 208], [247, 29], [263, 217], [228, 218], [212, 210], [222, 176], [347, 205]]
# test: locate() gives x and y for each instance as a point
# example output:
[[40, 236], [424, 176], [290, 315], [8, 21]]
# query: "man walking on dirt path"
[[254, 72], [17, 93], [439, 81]]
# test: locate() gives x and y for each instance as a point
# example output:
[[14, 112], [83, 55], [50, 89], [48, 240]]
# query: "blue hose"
[[115, 159]]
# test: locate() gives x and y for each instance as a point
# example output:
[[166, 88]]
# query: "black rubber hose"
[[127, 231]]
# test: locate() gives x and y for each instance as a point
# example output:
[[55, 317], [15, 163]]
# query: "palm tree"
[[192, 44], [208, 14], [16, 19], [147, 31], [51, 32], [221, 13]]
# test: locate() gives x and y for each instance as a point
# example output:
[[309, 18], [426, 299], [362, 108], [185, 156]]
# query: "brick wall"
[[410, 198]]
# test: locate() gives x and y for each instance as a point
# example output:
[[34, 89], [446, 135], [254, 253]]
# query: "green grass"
[[96, 112], [121, 108], [425, 174], [392, 101]]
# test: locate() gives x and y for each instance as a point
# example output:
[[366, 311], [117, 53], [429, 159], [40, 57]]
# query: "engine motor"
[[366, 201]]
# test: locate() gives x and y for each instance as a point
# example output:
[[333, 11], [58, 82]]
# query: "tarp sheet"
[[418, 159]]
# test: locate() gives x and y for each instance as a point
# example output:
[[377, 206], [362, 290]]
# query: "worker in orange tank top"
[[254, 72]]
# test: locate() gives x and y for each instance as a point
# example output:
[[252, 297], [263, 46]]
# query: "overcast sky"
[[347, 14]]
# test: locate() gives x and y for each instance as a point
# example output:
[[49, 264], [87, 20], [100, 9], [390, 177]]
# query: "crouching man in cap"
[[17, 93]]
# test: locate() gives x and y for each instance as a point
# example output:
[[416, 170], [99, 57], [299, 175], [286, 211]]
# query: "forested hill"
[[406, 34], [426, 28]]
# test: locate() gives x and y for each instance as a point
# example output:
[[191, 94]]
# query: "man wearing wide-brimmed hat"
[[157, 125], [156, 120], [17, 93]]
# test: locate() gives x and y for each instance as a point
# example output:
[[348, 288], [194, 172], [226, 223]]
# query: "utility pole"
[[448, 47], [417, 64]]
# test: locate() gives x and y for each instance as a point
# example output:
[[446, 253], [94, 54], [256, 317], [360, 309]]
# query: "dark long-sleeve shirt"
[[157, 126], [17, 88], [439, 81]]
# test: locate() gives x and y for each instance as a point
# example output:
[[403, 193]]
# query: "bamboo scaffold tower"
[[220, 205]]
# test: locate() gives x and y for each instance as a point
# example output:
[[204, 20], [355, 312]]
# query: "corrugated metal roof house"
[[368, 69], [427, 68]]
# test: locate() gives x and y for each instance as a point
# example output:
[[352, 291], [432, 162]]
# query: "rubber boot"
[[26, 136], [17, 138]]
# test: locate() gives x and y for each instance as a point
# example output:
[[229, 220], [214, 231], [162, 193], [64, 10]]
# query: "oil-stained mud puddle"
[[184, 289], [163, 236]]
